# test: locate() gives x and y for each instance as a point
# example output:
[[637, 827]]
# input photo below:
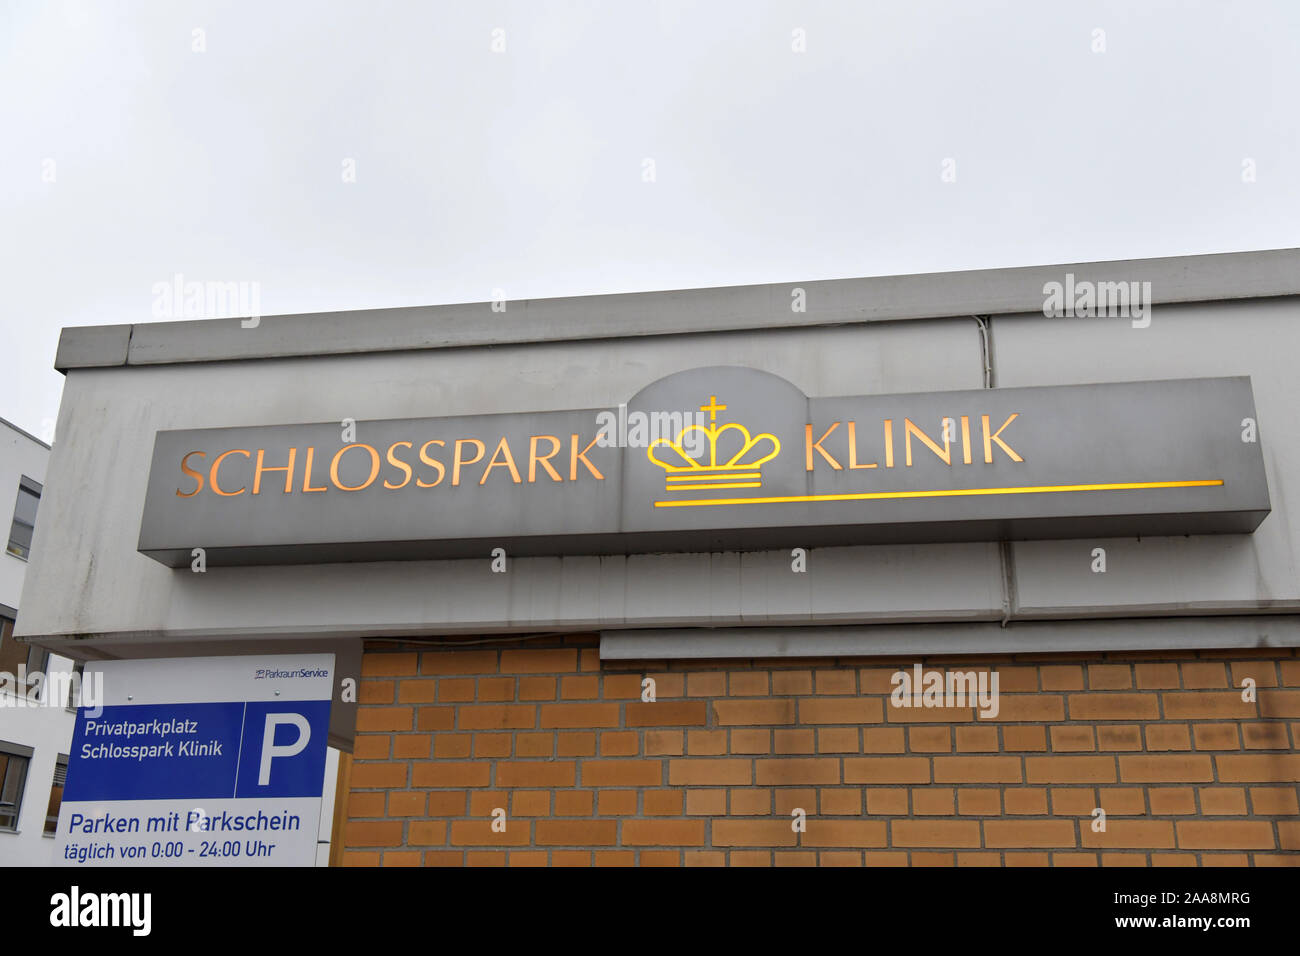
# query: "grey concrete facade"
[[90, 592], [636, 315]]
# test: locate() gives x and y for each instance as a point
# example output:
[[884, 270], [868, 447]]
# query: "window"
[[56, 795], [20, 532], [14, 759], [78, 674], [13, 652]]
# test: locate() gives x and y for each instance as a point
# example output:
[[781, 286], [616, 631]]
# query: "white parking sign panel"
[[201, 761]]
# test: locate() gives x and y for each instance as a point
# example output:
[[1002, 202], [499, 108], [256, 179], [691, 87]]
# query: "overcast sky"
[[133, 148]]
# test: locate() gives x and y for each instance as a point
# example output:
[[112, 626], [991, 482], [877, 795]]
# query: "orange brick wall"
[[709, 773]]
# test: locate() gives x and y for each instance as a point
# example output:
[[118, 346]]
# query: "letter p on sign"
[[269, 748]]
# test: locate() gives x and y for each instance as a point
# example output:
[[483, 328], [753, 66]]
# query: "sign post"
[[208, 761]]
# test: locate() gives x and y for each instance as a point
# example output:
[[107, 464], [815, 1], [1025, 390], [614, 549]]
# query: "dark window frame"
[[74, 685], [58, 782], [31, 487], [38, 658], [11, 754]]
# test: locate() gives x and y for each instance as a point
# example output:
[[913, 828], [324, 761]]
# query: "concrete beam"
[[1235, 275], [924, 640]]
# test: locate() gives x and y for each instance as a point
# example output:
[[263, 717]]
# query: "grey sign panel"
[[716, 459]]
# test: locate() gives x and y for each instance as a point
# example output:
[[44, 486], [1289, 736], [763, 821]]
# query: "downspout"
[[1006, 556]]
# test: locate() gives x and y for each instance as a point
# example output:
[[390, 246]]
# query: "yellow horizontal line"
[[718, 477], [748, 484], [687, 470], [946, 493]]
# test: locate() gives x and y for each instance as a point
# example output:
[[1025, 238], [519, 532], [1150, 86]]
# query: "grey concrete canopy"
[[1232, 316], [1233, 275]]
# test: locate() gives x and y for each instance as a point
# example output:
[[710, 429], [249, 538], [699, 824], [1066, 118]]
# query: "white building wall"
[[20, 454], [47, 730]]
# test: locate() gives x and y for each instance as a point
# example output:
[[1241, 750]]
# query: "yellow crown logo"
[[740, 470]]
